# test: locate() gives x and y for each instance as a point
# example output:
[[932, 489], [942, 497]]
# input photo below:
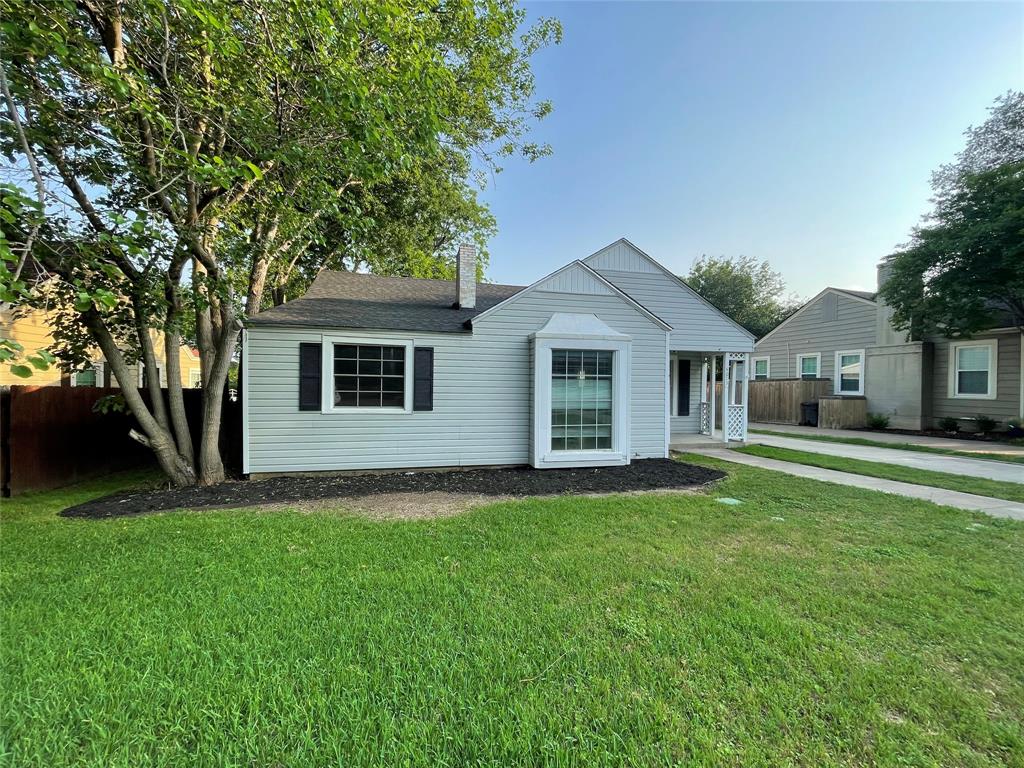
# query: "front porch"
[[709, 396]]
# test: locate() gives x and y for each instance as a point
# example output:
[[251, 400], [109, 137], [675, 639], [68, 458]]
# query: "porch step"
[[701, 443]]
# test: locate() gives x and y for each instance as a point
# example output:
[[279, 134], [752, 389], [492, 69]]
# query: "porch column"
[[726, 397], [746, 394], [711, 410]]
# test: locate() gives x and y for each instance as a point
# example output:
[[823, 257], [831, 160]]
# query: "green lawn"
[[812, 625], [1013, 457], [981, 486]]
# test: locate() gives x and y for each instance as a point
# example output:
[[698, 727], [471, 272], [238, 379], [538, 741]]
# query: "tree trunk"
[[211, 465], [175, 397]]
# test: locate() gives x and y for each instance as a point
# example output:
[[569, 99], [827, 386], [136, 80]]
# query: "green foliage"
[[949, 424], [985, 424], [815, 625], [963, 272], [878, 421], [747, 290]]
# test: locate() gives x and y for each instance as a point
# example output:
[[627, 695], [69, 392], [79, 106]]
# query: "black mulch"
[[645, 475]]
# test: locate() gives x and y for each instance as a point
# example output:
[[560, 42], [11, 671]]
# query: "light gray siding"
[[1005, 406], [689, 424], [482, 395], [809, 332], [696, 325]]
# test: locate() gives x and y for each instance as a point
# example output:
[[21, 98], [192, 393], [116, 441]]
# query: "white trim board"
[[837, 379]]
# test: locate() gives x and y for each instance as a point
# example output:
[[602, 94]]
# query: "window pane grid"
[[581, 400], [369, 376]]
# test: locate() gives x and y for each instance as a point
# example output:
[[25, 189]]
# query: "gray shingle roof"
[[354, 300]]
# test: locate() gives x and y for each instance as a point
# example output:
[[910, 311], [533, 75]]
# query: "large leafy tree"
[[963, 270], [184, 152], [744, 288]]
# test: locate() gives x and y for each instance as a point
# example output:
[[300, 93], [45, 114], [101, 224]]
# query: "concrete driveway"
[[954, 465]]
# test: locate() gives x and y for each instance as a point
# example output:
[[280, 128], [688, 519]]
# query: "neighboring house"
[[605, 360], [32, 330], [847, 336]]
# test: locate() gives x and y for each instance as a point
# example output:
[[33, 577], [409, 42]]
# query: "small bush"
[[985, 424], [878, 421], [949, 424]]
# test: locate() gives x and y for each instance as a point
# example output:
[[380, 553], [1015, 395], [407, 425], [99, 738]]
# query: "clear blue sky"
[[800, 133]]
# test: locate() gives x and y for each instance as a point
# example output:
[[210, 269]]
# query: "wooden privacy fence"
[[777, 401], [51, 436], [842, 412]]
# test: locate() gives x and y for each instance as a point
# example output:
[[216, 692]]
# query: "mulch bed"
[[644, 475]]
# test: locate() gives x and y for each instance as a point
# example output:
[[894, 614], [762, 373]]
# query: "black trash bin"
[[809, 414]]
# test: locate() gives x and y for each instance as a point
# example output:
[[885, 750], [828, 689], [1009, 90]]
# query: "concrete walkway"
[[948, 443], [993, 507], [985, 468]]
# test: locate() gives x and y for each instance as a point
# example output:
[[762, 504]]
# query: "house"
[[605, 360], [848, 337], [31, 329]]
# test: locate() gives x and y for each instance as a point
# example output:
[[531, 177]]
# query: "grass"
[[812, 625], [1011, 457], [998, 489]]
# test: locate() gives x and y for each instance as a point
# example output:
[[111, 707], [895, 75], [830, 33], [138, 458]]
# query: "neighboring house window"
[[159, 373], [369, 376], [90, 377], [195, 378], [808, 366], [850, 372], [972, 368], [761, 368], [581, 400]]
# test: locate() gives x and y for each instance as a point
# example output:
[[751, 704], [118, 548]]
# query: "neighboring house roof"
[[867, 295], [356, 300], [859, 295]]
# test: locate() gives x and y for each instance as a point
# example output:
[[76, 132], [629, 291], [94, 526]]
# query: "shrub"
[[985, 424], [878, 421], [949, 424]]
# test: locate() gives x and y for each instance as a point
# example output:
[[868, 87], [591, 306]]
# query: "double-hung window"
[[808, 366], [581, 400], [761, 368], [369, 376], [849, 379], [972, 368]]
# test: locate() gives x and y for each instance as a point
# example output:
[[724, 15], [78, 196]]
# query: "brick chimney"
[[465, 277]]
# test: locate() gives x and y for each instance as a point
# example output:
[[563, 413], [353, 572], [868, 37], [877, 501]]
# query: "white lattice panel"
[[705, 418], [735, 419]]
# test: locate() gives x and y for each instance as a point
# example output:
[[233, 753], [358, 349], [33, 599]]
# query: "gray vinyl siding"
[[1006, 404], [482, 395], [689, 424], [696, 325], [810, 333]]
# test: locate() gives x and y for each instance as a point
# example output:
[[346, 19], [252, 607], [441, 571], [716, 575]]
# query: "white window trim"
[[195, 377], [799, 364], [544, 457], [837, 377], [97, 366], [161, 374], [767, 365], [327, 373], [993, 369]]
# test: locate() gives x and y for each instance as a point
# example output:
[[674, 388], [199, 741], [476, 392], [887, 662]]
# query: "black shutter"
[[423, 379], [683, 375], [309, 377]]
